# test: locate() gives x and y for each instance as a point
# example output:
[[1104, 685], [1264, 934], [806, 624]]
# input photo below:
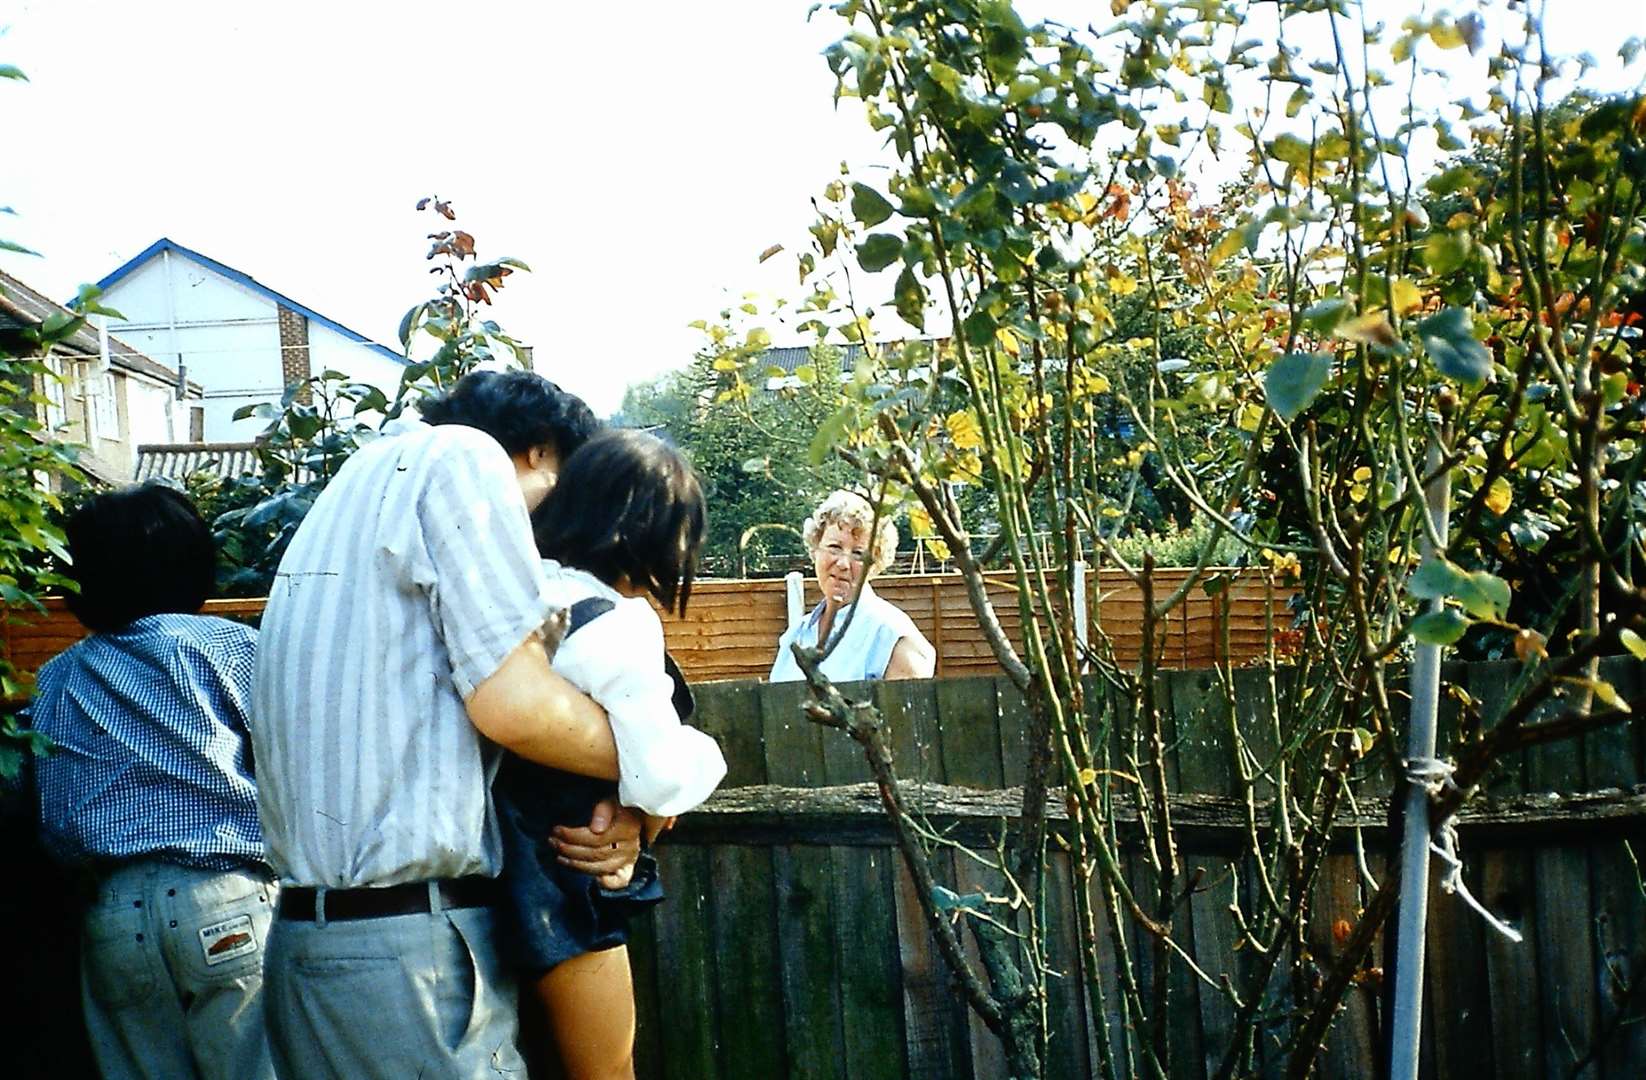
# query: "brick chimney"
[[294, 351]]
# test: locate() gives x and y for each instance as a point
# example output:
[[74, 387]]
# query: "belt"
[[412, 898]]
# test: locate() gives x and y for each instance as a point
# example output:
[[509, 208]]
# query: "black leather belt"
[[412, 898]]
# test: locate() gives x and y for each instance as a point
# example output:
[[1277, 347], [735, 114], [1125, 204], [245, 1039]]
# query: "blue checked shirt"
[[152, 753]]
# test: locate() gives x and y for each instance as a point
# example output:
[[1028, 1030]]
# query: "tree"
[[36, 465], [751, 459], [322, 420], [1368, 384]]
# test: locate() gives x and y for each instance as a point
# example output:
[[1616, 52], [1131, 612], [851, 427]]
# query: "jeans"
[[394, 997], [172, 972]]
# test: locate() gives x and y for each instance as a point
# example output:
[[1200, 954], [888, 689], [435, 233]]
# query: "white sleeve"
[[665, 767]]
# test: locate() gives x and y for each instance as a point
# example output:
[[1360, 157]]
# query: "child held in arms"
[[625, 521], [149, 789]]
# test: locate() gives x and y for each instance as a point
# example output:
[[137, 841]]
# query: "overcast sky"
[[638, 156]]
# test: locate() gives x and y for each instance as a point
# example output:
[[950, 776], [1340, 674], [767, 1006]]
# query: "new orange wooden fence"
[[731, 627]]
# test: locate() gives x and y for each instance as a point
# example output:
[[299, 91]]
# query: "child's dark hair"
[[627, 505], [138, 551]]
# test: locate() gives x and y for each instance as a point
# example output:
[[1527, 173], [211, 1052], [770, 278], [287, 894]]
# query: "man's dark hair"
[[520, 409], [627, 505], [138, 551]]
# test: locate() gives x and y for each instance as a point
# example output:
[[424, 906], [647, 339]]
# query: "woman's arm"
[[912, 658]]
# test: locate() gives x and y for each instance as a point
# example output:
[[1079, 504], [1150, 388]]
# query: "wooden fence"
[[793, 944], [731, 627]]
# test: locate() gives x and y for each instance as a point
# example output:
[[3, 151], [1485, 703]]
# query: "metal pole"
[[1414, 857]]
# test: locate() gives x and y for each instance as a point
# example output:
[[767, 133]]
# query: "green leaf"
[[1444, 252], [910, 298], [829, 432], [1293, 381], [12, 71], [869, 206], [946, 899], [878, 251], [1485, 596], [1436, 578], [1448, 336], [1443, 627], [408, 322], [59, 324], [1291, 150], [979, 328], [1324, 315]]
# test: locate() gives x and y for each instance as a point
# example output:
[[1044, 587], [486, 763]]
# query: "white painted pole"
[[1414, 858], [794, 595], [1082, 632]]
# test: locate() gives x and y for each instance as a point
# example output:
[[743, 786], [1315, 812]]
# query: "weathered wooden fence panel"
[[793, 944], [860, 992]]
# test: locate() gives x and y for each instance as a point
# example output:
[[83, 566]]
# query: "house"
[[107, 397], [242, 341]]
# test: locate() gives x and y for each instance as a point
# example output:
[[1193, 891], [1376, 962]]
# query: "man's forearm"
[[530, 709]]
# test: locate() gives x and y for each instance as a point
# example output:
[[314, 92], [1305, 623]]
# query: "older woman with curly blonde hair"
[[880, 641]]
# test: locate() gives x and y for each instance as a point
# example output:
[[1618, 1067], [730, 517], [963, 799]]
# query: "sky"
[[638, 156]]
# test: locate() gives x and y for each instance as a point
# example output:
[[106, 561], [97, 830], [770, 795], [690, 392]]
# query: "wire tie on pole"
[[1435, 776]]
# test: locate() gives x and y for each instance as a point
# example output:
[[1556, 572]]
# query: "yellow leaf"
[[920, 522], [1363, 474], [1633, 642], [1249, 417], [1088, 776], [1369, 329], [1603, 690], [1227, 247], [1007, 340], [1499, 496], [938, 548], [1406, 297], [1446, 35], [963, 430]]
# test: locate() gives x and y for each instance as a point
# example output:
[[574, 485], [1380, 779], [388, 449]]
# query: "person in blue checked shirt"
[[149, 787]]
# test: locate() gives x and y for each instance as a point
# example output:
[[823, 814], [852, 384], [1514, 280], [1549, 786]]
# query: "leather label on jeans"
[[227, 940]]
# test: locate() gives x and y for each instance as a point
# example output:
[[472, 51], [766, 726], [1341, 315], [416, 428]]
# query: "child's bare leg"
[[590, 1004]]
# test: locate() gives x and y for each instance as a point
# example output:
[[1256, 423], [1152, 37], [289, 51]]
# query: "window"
[[105, 411], [56, 394]]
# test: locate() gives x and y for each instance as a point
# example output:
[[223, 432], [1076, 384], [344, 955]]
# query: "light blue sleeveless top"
[[862, 654]]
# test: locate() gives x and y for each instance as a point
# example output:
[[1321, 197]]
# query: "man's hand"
[[607, 848]]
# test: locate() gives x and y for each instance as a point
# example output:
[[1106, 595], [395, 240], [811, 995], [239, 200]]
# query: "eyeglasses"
[[835, 552]]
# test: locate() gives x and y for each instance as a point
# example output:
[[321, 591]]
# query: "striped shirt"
[[150, 756], [409, 582]]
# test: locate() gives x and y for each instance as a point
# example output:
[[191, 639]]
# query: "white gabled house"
[[241, 341], [105, 396]]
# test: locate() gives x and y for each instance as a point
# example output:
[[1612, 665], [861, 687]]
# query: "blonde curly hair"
[[855, 513]]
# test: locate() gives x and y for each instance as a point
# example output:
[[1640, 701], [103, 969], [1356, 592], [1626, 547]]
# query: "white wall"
[[361, 362], [227, 336]]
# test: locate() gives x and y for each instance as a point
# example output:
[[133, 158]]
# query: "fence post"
[[794, 596], [1414, 856]]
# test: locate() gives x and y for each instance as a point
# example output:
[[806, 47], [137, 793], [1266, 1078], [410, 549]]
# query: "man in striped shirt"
[[398, 651]]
